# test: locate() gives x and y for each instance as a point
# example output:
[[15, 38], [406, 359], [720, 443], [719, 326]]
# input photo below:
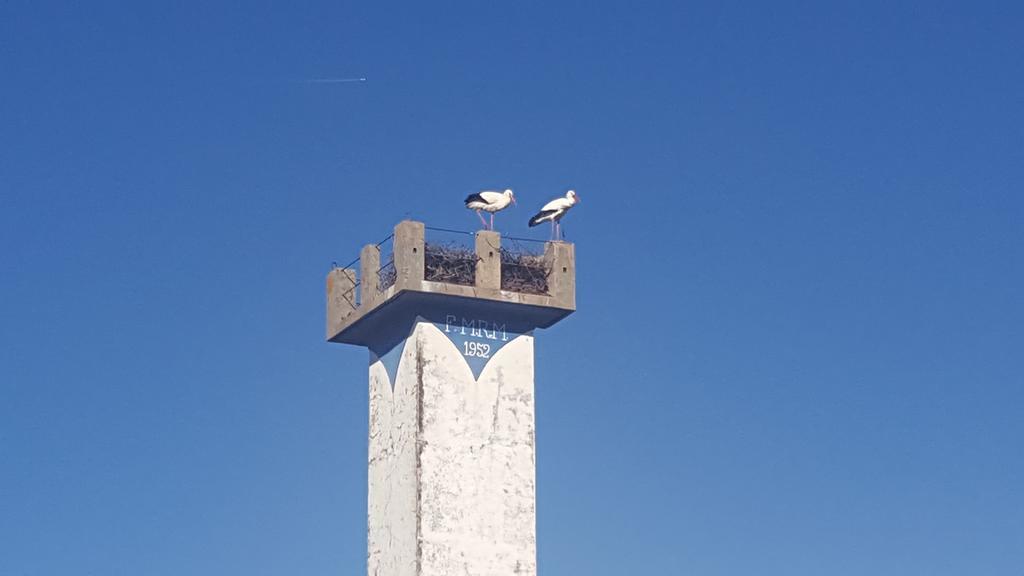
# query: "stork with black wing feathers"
[[489, 201], [554, 211]]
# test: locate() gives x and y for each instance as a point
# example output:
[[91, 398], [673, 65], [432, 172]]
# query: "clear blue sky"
[[822, 373]]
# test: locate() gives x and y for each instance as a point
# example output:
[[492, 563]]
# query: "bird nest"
[[521, 270], [449, 263]]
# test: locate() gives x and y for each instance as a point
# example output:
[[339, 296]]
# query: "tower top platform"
[[370, 300]]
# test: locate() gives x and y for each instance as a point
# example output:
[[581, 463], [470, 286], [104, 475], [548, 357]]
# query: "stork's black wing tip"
[[539, 217]]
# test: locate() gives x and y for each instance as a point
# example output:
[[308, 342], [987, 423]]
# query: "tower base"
[[452, 455]]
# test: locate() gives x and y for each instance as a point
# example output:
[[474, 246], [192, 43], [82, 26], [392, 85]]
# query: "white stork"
[[554, 211], [489, 201]]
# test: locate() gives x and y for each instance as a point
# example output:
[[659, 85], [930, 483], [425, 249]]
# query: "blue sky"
[[798, 344]]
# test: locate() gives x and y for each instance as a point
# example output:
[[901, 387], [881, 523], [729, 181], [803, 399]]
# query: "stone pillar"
[[488, 263], [452, 461], [561, 261], [341, 297], [410, 257], [369, 274], [452, 466]]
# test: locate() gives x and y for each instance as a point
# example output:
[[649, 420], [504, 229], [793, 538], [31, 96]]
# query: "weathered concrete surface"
[[369, 275], [410, 255], [393, 519], [561, 257], [488, 263], [452, 462], [341, 298]]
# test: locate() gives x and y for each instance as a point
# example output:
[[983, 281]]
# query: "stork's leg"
[[552, 229], [492, 220], [481, 216]]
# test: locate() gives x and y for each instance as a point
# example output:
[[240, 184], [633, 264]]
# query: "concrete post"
[[369, 274], [488, 263], [409, 250], [341, 298], [560, 257]]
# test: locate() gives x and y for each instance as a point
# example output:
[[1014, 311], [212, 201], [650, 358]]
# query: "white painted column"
[[452, 478]]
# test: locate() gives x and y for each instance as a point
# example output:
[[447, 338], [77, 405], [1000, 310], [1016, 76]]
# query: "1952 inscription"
[[476, 328], [478, 349]]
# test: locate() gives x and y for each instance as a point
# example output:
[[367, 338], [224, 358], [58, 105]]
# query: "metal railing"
[[449, 231], [352, 295], [525, 240], [450, 256]]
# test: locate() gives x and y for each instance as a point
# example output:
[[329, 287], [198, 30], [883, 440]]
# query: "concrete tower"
[[452, 472]]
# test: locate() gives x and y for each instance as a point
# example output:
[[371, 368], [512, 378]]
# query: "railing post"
[[409, 255], [488, 260], [341, 298], [560, 260], [369, 272]]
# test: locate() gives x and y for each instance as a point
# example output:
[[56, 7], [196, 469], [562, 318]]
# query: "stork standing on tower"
[[554, 211], [489, 201]]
